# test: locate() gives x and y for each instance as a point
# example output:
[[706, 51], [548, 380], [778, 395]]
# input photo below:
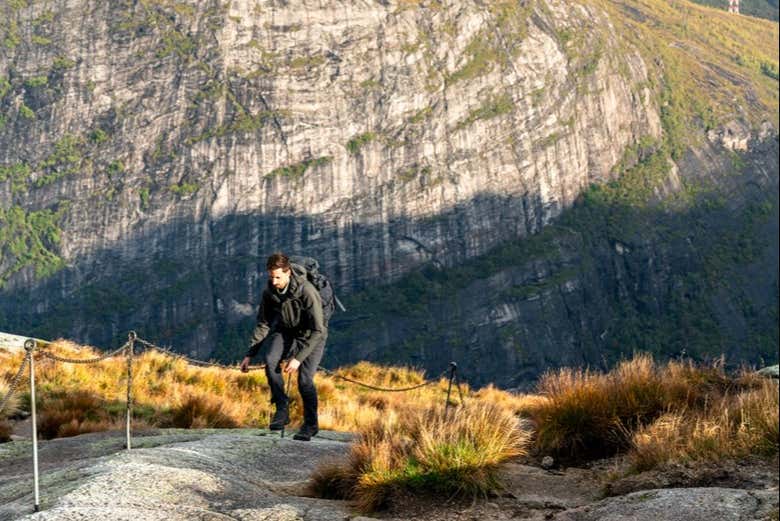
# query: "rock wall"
[[155, 152]]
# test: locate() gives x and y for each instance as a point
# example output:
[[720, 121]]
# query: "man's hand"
[[292, 365], [245, 364]]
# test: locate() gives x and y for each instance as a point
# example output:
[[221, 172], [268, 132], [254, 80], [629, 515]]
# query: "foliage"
[[26, 112], [297, 170], [29, 239], [98, 136], [184, 188], [18, 174], [62, 63], [481, 56], [496, 105], [359, 141], [144, 195], [65, 159]]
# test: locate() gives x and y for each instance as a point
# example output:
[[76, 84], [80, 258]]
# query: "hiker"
[[290, 326]]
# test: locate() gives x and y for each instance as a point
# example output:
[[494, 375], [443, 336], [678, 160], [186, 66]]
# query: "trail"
[[253, 475]]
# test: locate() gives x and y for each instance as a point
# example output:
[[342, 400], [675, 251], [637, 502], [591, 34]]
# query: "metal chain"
[[15, 381], [383, 389], [83, 360], [192, 361]]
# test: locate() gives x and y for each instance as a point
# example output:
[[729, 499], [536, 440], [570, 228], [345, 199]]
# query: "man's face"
[[279, 278]]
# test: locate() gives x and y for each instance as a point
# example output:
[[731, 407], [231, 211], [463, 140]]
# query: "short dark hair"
[[278, 260]]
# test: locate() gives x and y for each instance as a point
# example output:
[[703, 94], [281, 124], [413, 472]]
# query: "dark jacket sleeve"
[[262, 327], [312, 310]]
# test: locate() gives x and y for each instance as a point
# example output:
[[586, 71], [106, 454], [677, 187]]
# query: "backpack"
[[319, 281]]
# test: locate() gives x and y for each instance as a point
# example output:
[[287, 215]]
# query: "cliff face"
[[153, 153], [166, 148], [693, 279]]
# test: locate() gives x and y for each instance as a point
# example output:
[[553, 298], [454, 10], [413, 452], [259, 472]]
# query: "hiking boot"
[[280, 419], [306, 433]]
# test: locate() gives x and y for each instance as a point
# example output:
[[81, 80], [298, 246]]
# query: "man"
[[290, 323]]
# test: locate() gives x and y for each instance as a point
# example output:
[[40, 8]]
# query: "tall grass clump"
[[591, 414], [77, 412], [730, 427], [588, 413], [425, 451]]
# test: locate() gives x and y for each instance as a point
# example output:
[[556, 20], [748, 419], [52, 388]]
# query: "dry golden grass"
[[425, 451], [732, 426], [167, 392], [645, 405], [657, 413], [12, 406]]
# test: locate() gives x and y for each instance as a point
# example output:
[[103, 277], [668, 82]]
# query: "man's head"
[[278, 267]]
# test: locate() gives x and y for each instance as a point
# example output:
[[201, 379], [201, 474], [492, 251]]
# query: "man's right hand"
[[245, 364]]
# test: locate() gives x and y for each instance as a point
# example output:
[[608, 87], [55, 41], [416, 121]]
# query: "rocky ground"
[[247, 474]]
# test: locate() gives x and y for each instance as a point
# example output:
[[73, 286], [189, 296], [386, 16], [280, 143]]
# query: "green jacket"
[[310, 330]]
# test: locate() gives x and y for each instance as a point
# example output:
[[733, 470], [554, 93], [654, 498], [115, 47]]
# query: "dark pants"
[[276, 347]]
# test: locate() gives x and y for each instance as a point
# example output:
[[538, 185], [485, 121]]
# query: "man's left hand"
[[292, 365]]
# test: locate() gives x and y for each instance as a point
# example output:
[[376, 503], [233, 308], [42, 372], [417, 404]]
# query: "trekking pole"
[[453, 368], [29, 346], [129, 402], [287, 392]]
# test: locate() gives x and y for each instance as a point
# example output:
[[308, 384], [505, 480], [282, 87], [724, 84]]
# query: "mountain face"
[[761, 8], [153, 153]]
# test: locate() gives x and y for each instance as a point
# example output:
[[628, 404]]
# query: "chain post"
[[460, 391], [30, 345], [453, 368], [130, 352]]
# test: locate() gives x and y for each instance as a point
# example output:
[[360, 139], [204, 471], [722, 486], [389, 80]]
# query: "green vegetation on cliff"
[[760, 8]]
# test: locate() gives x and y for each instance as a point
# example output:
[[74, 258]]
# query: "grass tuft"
[[425, 452], [677, 411]]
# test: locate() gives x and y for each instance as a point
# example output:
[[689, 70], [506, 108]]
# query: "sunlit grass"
[[653, 408], [425, 451], [731, 427], [168, 392], [714, 63]]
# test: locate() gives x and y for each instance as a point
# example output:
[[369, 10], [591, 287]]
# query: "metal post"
[[29, 346], [130, 348], [453, 368]]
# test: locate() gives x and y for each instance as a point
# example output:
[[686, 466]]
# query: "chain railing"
[[192, 361], [14, 383], [33, 347]]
